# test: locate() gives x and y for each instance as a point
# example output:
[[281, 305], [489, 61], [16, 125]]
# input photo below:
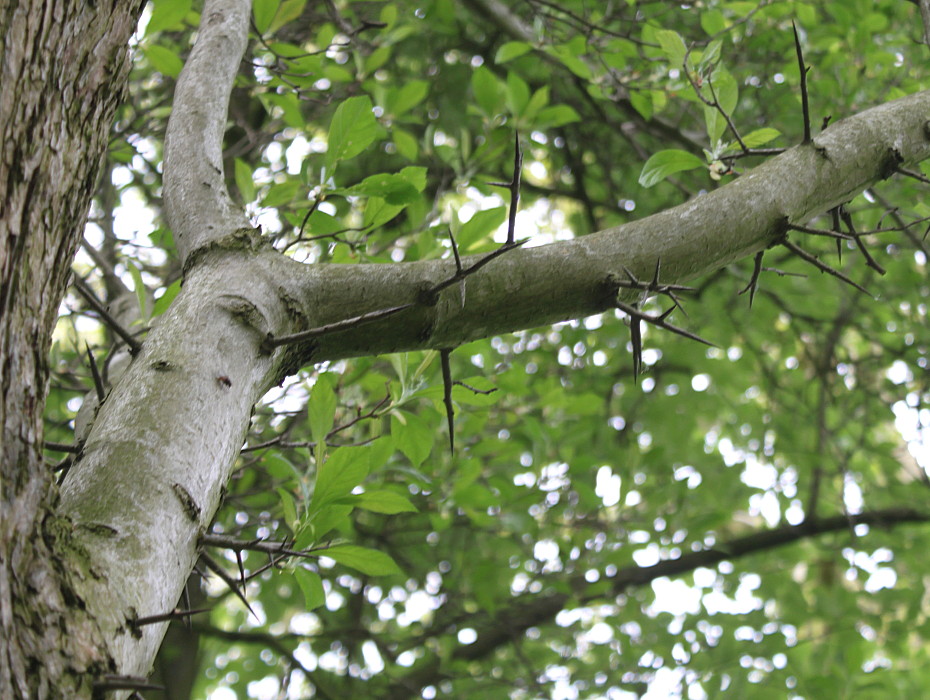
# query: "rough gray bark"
[[63, 72]]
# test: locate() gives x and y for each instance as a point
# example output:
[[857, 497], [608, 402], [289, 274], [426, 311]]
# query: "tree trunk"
[[64, 68]]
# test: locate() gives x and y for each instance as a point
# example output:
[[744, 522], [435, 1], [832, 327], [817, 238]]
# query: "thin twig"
[[823, 267], [829, 233], [272, 342], [61, 447], [914, 174], [115, 682], [85, 291], [660, 322], [869, 260], [176, 614]]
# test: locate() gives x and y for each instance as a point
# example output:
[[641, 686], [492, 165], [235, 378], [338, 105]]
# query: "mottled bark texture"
[[63, 69]]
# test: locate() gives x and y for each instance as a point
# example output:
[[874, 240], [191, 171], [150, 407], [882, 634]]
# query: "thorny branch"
[[638, 316]]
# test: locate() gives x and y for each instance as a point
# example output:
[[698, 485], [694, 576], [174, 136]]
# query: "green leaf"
[[518, 93], [288, 10], [290, 509], [378, 212], [759, 137], [281, 193], [138, 287], [387, 502], [320, 224], [167, 14], [164, 301], [312, 587], [264, 12], [278, 466], [393, 188], [641, 103], [557, 115], [406, 98], [406, 144], [164, 60], [712, 21], [539, 100], [368, 561], [569, 55], [413, 437], [673, 46], [415, 175], [480, 226], [351, 130], [725, 88], [321, 411], [664, 163], [343, 470], [487, 90], [334, 515], [244, 180], [511, 50]]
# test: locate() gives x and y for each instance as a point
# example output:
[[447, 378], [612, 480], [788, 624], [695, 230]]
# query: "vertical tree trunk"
[[63, 69]]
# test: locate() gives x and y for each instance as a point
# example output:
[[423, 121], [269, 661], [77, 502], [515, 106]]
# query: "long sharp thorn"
[[187, 606], [805, 106], [836, 227], [444, 355], [636, 336], [455, 253], [228, 580], [515, 188], [754, 280], [98, 380], [660, 322]]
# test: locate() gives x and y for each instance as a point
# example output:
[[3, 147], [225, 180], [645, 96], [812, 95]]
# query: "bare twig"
[[869, 260], [272, 342], [176, 614], [85, 291], [115, 682], [823, 267]]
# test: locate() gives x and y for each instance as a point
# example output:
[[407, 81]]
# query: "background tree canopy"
[[740, 518]]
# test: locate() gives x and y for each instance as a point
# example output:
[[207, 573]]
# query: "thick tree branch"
[[536, 286], [197, 203]]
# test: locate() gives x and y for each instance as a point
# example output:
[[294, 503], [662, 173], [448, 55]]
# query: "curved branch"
[[536, 286], [197, 203]]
